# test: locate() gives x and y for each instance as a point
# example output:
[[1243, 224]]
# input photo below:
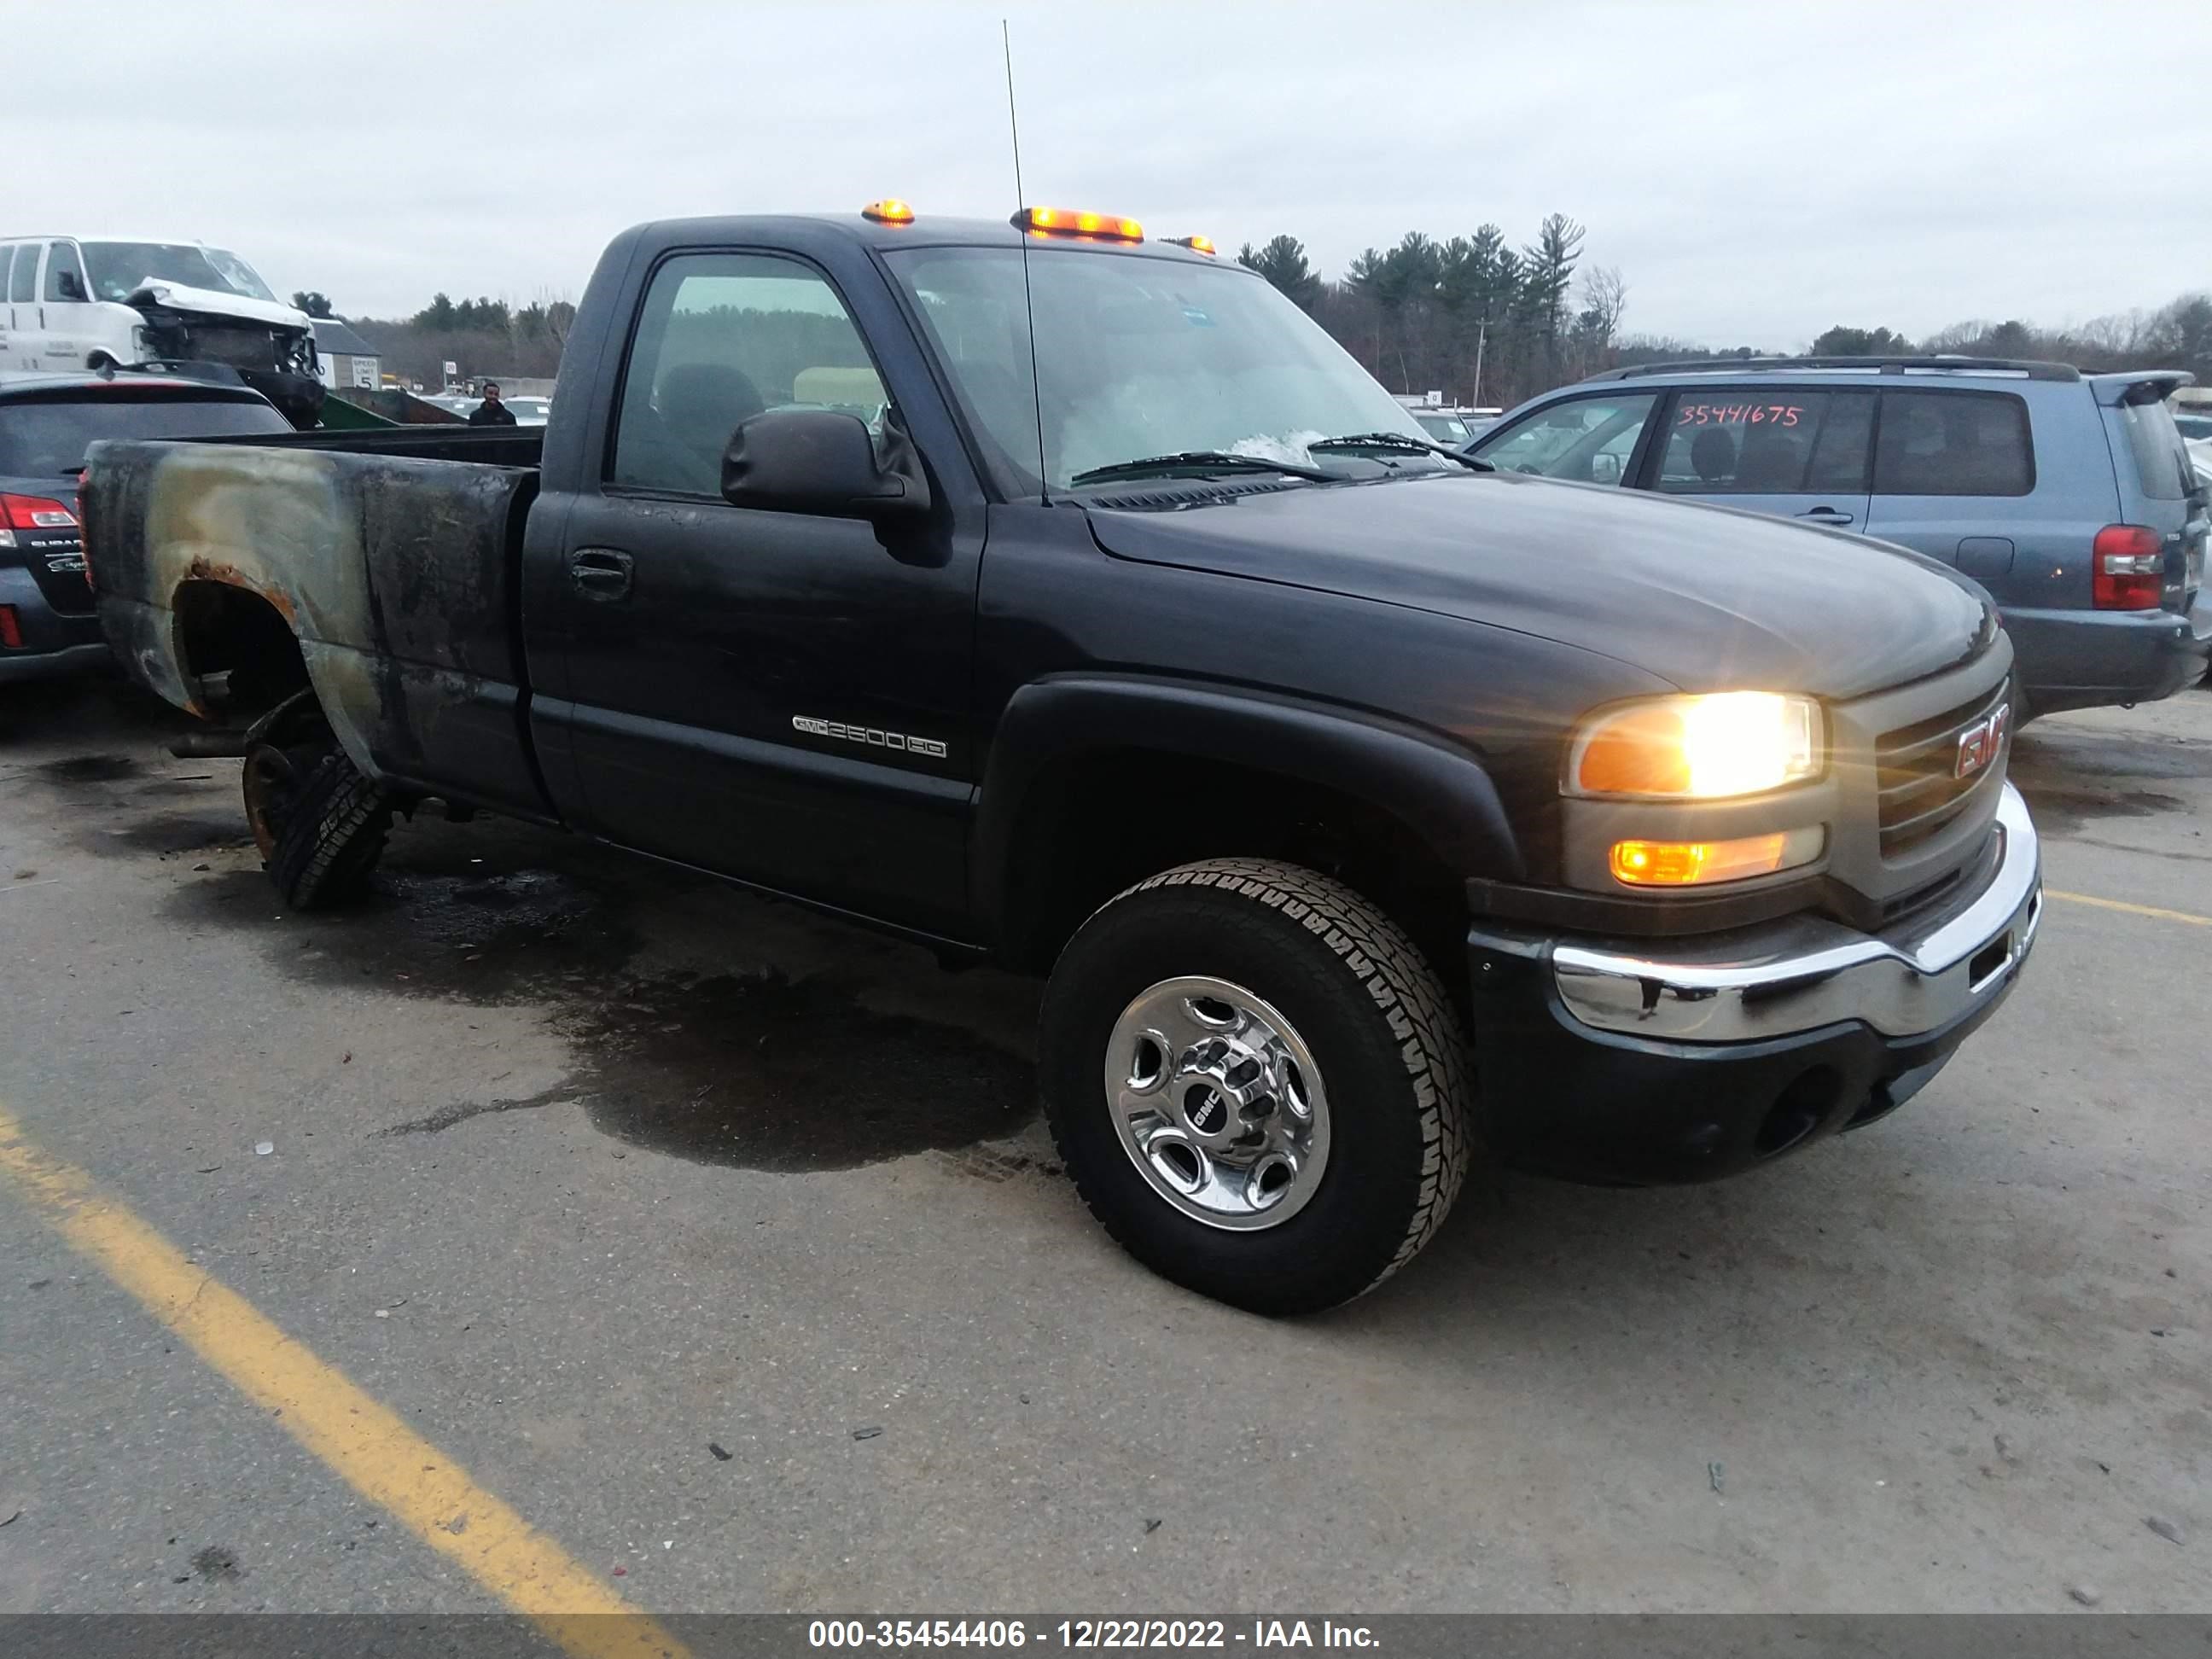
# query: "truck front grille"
[[1916, 771]]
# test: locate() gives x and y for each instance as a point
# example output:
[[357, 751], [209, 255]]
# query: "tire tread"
[[334, 836]]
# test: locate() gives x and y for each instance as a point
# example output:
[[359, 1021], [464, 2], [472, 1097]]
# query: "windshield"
[[47, 439], [118, 269], [1136, 357]]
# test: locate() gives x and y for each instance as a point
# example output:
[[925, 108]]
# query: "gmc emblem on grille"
[[1980, 742]]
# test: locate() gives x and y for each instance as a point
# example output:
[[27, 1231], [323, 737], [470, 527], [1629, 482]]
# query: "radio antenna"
[[1029, 304]]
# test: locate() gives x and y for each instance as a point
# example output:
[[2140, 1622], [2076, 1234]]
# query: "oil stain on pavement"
[[88, 769], [2072, 775], [774, 1073], [215, 1564], [168, 833], [762, 1069]]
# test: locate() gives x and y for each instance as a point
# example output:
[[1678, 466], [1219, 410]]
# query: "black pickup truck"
[[1062, 596]]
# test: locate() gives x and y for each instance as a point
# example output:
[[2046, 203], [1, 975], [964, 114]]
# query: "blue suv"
[[2070, 497]]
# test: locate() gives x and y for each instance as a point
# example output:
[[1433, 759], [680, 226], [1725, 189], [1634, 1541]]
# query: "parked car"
[[1451, 424], [108, 302], [1294, 760], [2194, 428], [2069, 497], [47, 625], [527, 411]]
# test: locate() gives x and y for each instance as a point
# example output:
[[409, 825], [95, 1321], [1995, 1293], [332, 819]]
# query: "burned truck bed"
[[493, 445], [391, 558]]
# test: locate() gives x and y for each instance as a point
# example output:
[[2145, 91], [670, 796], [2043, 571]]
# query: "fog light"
[[1701, 863]]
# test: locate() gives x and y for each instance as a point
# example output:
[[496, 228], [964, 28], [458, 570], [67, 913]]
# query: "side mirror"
[[70, 287], [1605, 469], [819, 461]]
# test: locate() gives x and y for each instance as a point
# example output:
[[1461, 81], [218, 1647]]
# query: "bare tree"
[[1604, 300], [1600, 304], [560, 312]]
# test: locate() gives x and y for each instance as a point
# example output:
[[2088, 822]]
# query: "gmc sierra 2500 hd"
[[1048, 591]]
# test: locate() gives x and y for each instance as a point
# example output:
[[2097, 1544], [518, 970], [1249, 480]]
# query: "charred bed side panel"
[[393, 572]]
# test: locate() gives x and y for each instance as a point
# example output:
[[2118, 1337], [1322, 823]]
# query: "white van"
[[78, 303]]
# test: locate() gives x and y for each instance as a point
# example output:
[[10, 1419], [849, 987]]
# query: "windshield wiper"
[[1399, 440], [1196, 460]]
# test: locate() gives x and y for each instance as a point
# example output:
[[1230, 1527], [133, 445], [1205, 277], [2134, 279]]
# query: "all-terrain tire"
[[332, 833], [1382, 1033]]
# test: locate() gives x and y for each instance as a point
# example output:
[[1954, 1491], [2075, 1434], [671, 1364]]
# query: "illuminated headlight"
[[1711, 747]]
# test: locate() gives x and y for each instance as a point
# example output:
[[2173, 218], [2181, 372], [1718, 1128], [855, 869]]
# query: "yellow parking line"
[[2150, 910], [363, 1441]]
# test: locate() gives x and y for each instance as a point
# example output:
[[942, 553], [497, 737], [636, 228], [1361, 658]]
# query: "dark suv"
[[2069, 497], [46, 622]]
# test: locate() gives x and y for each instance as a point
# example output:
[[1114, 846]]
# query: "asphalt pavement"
[[721, 1244]]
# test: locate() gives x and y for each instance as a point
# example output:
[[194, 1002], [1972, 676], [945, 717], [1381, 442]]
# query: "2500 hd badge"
[[868, 734]]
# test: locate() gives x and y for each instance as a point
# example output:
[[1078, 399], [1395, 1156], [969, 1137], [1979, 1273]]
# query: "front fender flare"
[[1435, 787]]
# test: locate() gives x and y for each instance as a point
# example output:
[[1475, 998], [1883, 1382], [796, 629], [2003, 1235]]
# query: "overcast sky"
[[1757, 171]]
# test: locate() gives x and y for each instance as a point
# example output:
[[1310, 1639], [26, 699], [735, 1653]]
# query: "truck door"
[[778, 697], [1796, 451]]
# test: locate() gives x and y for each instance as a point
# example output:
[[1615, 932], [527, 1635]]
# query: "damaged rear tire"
[[319, 820]]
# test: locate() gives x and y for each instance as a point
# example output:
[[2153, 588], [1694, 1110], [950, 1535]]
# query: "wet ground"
[[643, 1196]]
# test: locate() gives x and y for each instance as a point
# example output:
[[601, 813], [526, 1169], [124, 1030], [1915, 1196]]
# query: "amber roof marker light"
[[1077, 222], [1195, 244], [888, 211]]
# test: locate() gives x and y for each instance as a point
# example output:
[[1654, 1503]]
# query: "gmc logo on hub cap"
[[1980, 742]]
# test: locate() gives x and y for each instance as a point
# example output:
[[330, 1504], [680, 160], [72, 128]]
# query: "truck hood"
[[1708, 598], [213, 302]]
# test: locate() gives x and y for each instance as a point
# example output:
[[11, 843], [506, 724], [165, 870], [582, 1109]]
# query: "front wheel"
[[1257, 1084]]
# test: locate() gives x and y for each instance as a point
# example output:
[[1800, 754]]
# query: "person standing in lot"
[[491, 411]]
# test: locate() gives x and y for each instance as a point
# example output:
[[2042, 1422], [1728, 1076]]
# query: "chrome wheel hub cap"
[[1219, 1103]]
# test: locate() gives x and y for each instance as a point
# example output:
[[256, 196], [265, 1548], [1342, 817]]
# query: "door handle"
[[600, 573], [1826, 515]]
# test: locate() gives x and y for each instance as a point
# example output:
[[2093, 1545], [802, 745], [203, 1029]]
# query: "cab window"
[[1766, 440], [723, 338], [23, 277], [1586, 440]]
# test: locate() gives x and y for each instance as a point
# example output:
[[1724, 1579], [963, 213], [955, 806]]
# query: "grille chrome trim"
[[1917, 790]]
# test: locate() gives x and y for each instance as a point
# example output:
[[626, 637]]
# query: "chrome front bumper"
[[1809, 972]]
